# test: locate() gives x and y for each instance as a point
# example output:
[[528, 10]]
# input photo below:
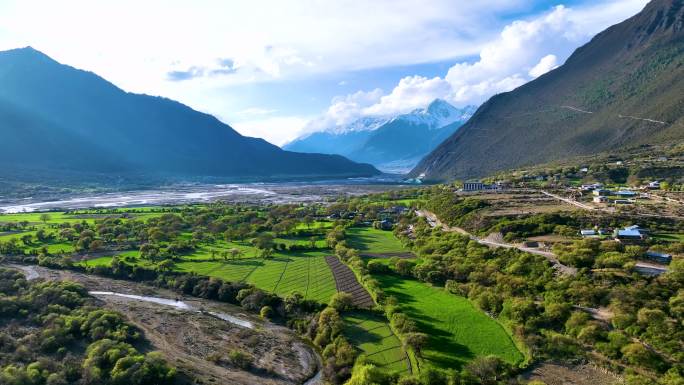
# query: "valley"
[[410, 300], [408, 193]]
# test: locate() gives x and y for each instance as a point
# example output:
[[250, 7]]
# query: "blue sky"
[[278, 69]]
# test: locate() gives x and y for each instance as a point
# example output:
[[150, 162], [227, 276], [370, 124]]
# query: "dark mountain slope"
[[71, 119], [634, 69]]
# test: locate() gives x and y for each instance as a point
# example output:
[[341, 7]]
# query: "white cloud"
[[343, 110], [277, 130], [546, 64], [412, 91], [523, 50], [137, 43], [149, 46]]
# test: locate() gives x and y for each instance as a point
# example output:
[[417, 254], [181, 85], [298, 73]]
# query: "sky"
[[280, 69]]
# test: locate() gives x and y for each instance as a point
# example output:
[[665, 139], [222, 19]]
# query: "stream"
[[178, 305], [31, 273]]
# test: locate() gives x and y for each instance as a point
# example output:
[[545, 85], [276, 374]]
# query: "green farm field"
[[370, 240], [373, 336], [303, 272], [56, 217], [458, 332], [671, 237]]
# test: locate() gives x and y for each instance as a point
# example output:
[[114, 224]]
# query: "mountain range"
[[623, 89], [57, 118], [393, 144]]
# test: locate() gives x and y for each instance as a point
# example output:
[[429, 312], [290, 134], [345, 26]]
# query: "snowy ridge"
[[362, 124], [437, 115]]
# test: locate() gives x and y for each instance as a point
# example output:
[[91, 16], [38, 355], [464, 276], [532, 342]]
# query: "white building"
[[473, 186]]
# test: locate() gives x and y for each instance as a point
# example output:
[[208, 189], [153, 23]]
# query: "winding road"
[[433, 221]]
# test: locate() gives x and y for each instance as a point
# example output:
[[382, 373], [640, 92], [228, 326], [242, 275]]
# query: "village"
[[626, 215]]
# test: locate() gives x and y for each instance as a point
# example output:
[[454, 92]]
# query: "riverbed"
[[189, 330], [276, 193]]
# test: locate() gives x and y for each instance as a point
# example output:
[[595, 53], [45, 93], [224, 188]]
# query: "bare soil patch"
[[562, 374], [346, 281], [520, 203], [551, 238]]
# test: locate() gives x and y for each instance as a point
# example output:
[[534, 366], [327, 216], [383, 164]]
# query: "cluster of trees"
[[594, 253], [489, 370], [452, 209], [52, 334], [180, 231], [550, 313], [339, 355]]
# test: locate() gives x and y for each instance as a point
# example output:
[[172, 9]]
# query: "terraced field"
[[373, 336]]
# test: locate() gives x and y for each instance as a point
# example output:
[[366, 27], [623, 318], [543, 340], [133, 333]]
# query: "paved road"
[[433, 221]]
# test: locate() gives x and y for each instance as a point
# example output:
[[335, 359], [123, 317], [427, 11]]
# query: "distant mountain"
[[391, 144], [57, 118], [624, 88]]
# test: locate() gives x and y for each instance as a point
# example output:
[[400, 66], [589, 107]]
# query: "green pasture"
[[304, 272], [372, 335], [370, 240], [457, 330], [670, 237]]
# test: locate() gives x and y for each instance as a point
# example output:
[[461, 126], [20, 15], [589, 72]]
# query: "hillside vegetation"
[[622, 89]]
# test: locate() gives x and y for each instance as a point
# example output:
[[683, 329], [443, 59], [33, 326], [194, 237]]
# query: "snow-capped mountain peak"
[[438, 114], [367, 123]]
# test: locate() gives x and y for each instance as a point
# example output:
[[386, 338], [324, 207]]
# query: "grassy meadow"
[[370, 240], [458, 332], [373, 337]]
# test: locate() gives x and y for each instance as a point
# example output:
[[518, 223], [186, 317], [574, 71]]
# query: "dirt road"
[[569, 201], [433, 221]]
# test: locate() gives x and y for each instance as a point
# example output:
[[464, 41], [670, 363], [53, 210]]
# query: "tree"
[[266, 253], [45, 217], [366, 374], [121, 239], [27, 239], [415, 341], [235, 253], [404, 267], [637, 354], [341, 301], [95, 245], [264, 241], [165, 265], [488, 369], [266, 312]]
